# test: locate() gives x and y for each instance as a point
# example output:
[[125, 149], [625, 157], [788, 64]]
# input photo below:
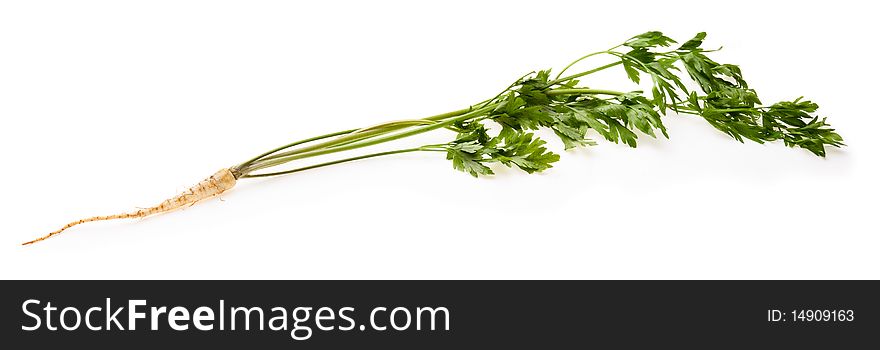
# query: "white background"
[[109, 105]]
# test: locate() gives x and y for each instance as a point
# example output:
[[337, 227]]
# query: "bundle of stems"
[[573, 112]]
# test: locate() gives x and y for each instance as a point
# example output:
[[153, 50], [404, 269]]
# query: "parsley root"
[[214, 185], [716, 92]]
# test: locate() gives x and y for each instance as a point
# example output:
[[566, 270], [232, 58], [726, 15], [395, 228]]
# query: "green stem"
[[379, 154], [578, 60], [396, 123], [584, 91], [621, 55], [453, 113], [316, 138], [724, 110], [362, 134], [242, 168], [348, 138], [744, 109], [591, 71], [318, 151]]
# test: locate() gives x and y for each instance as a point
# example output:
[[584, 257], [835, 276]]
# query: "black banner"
[[441, 314]]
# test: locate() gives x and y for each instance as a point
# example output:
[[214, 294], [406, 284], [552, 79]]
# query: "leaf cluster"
[[529, 107], [474, 148], [724, 98], [721, 96]]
